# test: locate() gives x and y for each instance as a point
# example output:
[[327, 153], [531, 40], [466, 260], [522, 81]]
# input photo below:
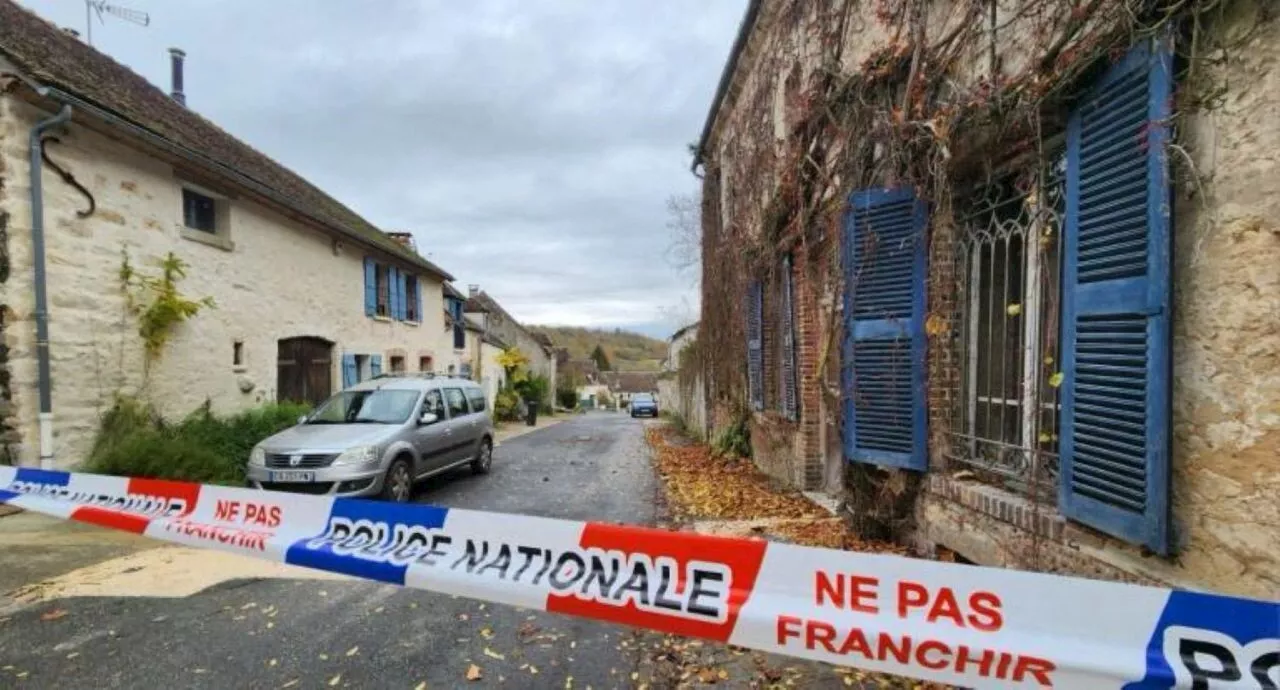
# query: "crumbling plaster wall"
[[1226, 355]]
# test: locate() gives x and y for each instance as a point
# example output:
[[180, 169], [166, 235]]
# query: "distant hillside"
[[627, 351]]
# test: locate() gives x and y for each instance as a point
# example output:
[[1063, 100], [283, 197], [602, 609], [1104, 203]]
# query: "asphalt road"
[[306, 634]]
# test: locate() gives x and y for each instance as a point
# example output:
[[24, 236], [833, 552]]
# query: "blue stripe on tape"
[[1204, 639], [5, 495], [359, 535], [32, 475]]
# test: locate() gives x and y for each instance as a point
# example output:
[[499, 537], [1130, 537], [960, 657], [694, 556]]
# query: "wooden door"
[[304, 368]]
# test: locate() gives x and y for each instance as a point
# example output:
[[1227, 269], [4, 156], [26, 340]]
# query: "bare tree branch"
[[684, 222]]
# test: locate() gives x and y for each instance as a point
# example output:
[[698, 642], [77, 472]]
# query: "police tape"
[[959, 624]]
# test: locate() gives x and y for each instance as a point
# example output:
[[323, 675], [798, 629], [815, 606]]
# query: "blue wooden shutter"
[[787, 326], [370, 287], [883, 351], [417, 299], [755, 344], [1116, 302], [375, 365], [350, 375]]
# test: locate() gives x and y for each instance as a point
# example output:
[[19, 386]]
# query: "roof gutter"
[[239, 178], [726, 77]]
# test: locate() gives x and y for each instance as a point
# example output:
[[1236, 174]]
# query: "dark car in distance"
[[643, 404]]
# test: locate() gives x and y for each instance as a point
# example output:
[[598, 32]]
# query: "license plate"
[[293, 476]]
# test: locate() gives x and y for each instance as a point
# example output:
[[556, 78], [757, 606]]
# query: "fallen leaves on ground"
[[473, 672], [53, 615], [704, 487], [701, 486], [832, 533]]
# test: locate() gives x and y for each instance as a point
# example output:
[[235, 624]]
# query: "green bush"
[[135, 441], [535, 387], [567, 397], [733, 440], [506, 406]]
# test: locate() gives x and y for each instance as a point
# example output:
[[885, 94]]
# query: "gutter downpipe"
[[45, 417]]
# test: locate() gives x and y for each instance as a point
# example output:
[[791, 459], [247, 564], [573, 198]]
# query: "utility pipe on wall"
[[45, 418]]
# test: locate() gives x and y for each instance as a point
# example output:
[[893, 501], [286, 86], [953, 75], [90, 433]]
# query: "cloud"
[[529, 146]]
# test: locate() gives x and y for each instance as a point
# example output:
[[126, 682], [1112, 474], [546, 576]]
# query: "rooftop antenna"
[[100, 6]]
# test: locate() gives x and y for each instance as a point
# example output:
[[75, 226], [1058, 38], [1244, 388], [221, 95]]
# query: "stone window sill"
[[383, 319], [415, 324], [212, 239]]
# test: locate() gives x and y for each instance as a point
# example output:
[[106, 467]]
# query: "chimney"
[[175, 62], [404, 238], [473, 290], [73, 32]]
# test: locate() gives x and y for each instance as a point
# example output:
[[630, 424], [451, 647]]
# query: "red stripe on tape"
[[105, 517], [741, 557], [188, 492]]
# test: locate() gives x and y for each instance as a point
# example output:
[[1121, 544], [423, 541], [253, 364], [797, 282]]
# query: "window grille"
[[1006, 418]]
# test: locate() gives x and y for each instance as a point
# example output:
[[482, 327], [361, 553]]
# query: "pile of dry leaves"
[[731, 492], [705, 487]]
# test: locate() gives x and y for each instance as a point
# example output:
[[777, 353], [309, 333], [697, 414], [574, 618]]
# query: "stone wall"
[[281, 279], [1226, 352], [1226, 341]]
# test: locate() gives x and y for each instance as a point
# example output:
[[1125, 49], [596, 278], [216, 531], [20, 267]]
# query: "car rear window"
[[457, 401]]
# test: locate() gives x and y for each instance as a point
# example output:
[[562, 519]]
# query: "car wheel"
[[397, 483], [484, 458]]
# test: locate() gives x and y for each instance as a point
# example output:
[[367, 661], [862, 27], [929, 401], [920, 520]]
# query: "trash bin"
[[532, 417]]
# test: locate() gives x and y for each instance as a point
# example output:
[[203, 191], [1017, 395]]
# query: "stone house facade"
[[482, 354], [939, 261], [626, 384], [493, 320], [307, 296]]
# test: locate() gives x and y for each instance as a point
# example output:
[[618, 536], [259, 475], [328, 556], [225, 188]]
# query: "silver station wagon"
[[377, 438]]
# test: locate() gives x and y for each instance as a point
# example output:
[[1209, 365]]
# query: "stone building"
[[939, 260], [676, 345], [307, 295], [681, 389], [482, 363], [494, 320]]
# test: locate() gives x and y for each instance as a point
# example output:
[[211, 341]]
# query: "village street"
[[271, 630]]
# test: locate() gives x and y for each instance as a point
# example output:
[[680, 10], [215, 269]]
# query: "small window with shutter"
[[383, 287]]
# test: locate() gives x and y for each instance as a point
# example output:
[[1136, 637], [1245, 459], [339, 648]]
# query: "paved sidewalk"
[[505, 431]]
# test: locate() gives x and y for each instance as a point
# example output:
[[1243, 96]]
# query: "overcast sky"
[[530, 146]]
